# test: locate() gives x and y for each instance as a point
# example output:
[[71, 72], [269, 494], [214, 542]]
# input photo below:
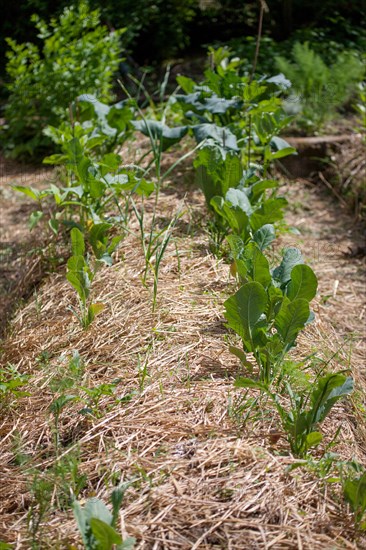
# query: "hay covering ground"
[[202, 479]]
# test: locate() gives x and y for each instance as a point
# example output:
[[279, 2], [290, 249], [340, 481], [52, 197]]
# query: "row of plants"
[[272, 306], [235, 121]]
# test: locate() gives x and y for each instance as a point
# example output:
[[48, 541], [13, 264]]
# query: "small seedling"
[[98, 526], [80, 275]]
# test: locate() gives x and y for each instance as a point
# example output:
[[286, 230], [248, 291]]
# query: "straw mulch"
[[21, 263], [200, 476]]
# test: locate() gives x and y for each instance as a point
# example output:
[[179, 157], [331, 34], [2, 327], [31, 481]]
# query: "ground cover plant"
[[110, 211]]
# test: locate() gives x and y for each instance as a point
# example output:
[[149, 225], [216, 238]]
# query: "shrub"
[[320, 89], [77, 55]]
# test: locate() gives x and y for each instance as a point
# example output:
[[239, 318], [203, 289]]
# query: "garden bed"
[[200, 477]]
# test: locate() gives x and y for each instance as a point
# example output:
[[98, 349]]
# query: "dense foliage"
[[77, 55]]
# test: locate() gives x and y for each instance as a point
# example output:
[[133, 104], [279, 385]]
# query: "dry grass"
[[201, 479]]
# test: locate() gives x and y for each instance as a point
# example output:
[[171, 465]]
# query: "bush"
[[320, 89], [77, 55]]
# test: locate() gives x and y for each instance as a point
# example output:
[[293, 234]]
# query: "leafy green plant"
[[80, 275], [97, 524], [11, 383], [77, 55], [320, 89], [354, 488], [306, 410], [270, 309], [94, 395]]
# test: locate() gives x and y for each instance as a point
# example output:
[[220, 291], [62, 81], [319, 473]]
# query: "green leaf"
[[355, 493], [239, 353], [244, 309], [105, 535], [269, 212], [29, 191], [128, 544], [264, 236], [34, 219], [187, 84], [327, 392], [291, 319], [94, 310], [77, 242], [313, 439], [303, 283], [242, 382], [223, 136], [238, 199], [78, 284], [291, 257], [157, 131], [54, 225]]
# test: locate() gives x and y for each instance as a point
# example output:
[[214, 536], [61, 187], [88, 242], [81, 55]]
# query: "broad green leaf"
[[303, 283], [278, 144], [282, 153], [238, 199], [264, 236], [81, 520], [327, 392], [257, 189], [260, 268], [269, 212], [355, 494], [291, 319], [95, 508], [128, 544], [291, 257], [244, 309], [78, 285], [313, 439], [223, 136], [77, 242], [187, 84], [236, 218], [157, 131], [74, 152], [105, 534]]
